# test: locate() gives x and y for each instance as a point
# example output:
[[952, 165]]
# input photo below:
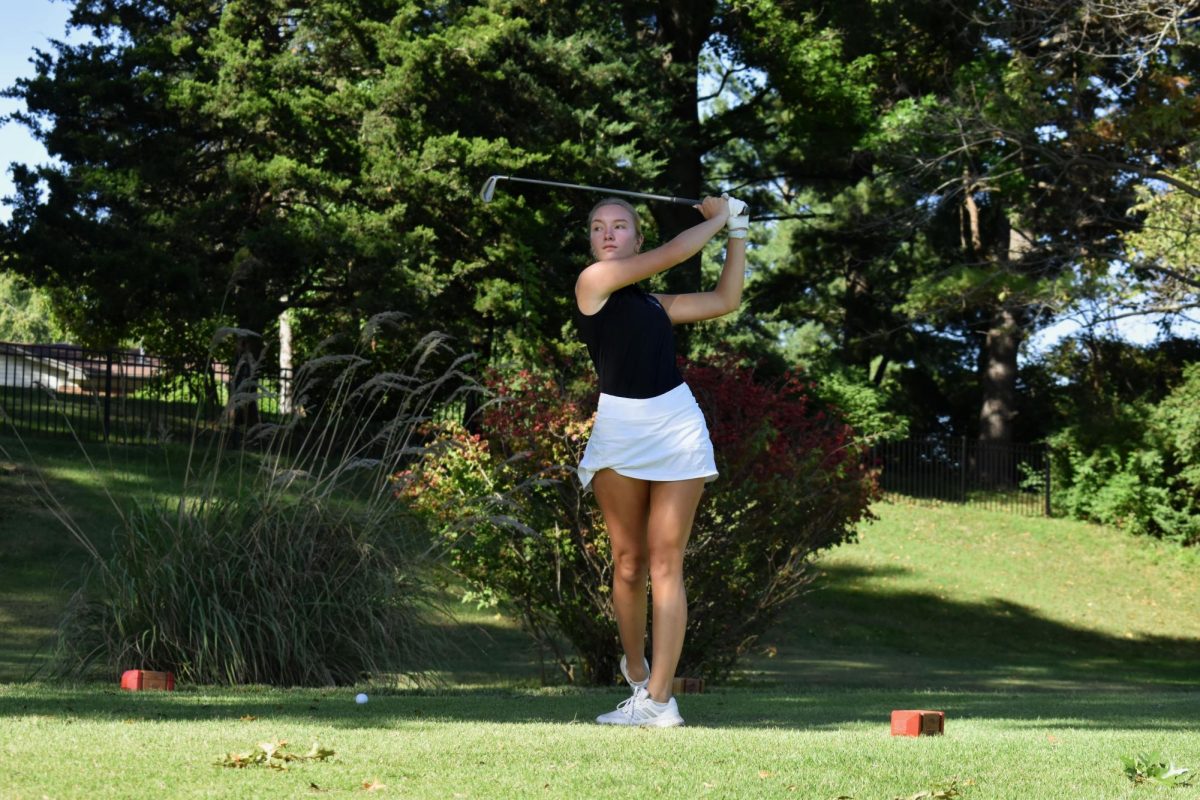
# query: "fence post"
[[1046, 477], [962, 469], [108, 394]]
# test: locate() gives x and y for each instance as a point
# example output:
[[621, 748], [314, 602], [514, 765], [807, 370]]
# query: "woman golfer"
[[649, 453]]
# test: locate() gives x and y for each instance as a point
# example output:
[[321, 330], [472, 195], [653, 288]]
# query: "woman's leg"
[[625, 503], [672, 510]]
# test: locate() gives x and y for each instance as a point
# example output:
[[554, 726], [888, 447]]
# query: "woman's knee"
[[666, 567], [630, 567]]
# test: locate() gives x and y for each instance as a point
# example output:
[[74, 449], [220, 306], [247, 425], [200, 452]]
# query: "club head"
[[489, 188]]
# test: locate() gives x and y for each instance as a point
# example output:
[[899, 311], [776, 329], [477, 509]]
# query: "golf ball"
[[360, 698]]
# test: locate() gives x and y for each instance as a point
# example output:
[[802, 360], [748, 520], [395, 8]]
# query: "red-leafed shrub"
[[793, 482], [521, 531]]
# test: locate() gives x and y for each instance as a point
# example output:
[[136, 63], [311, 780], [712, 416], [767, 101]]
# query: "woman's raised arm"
[[606, 275]]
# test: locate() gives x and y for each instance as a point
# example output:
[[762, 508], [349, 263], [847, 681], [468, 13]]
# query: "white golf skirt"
[[661, 438]]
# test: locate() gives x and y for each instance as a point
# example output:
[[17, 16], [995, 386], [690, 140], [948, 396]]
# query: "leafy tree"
[[944, 176], [1165, 249], [1136, 468], [992, 181], [26, 313], [225, 162]]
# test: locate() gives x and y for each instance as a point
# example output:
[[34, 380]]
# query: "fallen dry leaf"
[[272, 755], [373, 786]]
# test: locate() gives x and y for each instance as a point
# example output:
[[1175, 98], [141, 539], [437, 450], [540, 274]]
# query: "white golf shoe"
[[640, 710]]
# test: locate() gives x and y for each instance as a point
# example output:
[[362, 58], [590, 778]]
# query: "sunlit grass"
[[967, 598], [94, 742], [1055, 649]]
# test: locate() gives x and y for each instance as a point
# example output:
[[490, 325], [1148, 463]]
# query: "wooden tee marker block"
[[141, 680], [918, 723], [687, 686]]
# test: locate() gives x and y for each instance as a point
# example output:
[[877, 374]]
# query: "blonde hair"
[[616, 201]]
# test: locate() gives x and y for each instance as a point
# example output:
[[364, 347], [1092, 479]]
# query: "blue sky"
[[27, 24]]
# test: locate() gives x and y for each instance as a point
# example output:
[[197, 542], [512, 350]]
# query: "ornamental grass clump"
[[522, 533], [286, 561]]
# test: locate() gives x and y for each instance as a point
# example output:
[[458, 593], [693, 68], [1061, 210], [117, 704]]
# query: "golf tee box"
[[143, 680], [918, 723], [687, 686]]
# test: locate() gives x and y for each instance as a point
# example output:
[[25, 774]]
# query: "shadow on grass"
[[845, 635], [30, 609], [731, 708]]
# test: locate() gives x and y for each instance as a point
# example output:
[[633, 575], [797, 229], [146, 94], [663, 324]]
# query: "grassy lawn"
[[1055, 648], [484, 744]]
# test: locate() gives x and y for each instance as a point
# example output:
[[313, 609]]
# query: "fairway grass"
[[96, 742], [1054, 647], [952, 597]]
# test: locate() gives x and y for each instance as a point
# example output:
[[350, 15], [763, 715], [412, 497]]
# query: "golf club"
[[489, 189]]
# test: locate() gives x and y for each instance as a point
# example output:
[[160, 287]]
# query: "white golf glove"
[[739, 220]]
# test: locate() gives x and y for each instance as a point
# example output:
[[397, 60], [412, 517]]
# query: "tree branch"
[[1177, 275]]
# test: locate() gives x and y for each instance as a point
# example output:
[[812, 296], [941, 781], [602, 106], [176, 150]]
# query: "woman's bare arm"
[[602, 278], [724, 299]]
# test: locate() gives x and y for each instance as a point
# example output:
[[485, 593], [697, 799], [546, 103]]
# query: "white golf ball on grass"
[[360, 698]]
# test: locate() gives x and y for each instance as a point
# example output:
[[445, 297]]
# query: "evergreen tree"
[[993, 183], [221, 163]]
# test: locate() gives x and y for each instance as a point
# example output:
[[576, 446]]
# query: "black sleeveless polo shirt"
[[631, 344]]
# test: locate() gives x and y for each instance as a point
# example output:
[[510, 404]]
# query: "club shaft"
[[621, 192]]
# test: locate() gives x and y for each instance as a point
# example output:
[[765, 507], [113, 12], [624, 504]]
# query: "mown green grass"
[[92, 742], [1055, 648], [956, 597]]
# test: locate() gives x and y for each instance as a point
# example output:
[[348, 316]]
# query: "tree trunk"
[[857, 324], [1003, 342], [1000, 378], [683, 26], [285, 361], [994, 463], [246, 364]]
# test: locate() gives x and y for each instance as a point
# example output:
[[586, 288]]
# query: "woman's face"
[[614, 234]]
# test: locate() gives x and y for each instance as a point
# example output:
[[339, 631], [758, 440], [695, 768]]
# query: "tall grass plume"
[[286, 559]]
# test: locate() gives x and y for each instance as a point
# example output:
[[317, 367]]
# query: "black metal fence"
[[129, 397], [1005, 477], [117, 396]]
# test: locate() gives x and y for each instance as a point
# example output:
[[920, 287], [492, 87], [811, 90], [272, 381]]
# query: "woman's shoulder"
[[614, 300]]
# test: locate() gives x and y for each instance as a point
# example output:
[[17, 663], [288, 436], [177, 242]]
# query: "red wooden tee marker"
[[141, 680], [918, 723]]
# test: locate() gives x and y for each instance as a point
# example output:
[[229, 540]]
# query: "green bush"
[[863, 404], [521, 531], [1139, 470], [287, 562]]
